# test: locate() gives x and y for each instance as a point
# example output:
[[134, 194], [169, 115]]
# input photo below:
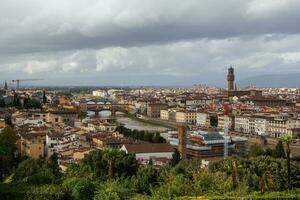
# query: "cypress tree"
[[44, 97], [279, 150]]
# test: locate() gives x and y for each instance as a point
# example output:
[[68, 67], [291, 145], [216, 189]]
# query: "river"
[[131, 123]]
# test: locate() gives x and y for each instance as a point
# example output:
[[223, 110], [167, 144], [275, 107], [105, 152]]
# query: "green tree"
[[44, 97], [256, 150], [145, 179], [81, 170], [113, 190], [32, 104], [173, 185], [268, 152], [82, 115], [214, 121], [147, 137], [157, 138], [34, 172], [175, 158], [79, 188], [111, 155], [3, 153], [16, 101], [110, 163], [288, 139], [206, 182], [38, 171], [8, 121], [46, 192], [8, 147], [2, 103], [53, 165], [278, 152]]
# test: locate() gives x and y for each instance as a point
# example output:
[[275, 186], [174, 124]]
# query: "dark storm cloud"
[[165, 39], [34, 26]]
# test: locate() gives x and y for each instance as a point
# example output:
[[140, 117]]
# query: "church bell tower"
[[230, 78]]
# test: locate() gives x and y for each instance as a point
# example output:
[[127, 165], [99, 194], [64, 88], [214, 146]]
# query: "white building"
[[52, 143], [241, 124], [202, 119], [100, 93], [261, 126], [197, 101], [149, 151]]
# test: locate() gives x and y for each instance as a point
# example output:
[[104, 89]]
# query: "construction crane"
[[22, 80]]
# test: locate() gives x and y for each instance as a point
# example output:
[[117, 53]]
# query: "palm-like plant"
[[288, 139], [111, 155]]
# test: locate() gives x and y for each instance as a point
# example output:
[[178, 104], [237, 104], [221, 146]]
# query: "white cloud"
[[35, 67], [147, 38], [182, 58], [257, 9], [112, 58]]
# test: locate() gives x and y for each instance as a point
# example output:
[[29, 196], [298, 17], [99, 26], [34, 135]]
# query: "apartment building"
[[164, 114], [197, 101], [189, 117], [261, 126], [153, 109], [278, 126], [224, 122], [202, 119], [241, 124], [266, 124], [32, 145]]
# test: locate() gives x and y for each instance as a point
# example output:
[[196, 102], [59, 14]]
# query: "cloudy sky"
[[137, 42]]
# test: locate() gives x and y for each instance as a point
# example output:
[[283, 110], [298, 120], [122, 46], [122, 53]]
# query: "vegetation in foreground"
[[141, 135], [114, 175]]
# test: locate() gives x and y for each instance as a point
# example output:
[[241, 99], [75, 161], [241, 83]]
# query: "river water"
[[131, 123]]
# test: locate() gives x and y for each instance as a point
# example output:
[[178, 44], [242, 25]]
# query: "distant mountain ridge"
[[272, 80]]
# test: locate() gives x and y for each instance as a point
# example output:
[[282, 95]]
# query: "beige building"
[[79, 154], [224, 122], [153, 109], [33, 145], [265, 124], [189, 117], [279, 126], [164, 114], [2, 123], [67, 117]]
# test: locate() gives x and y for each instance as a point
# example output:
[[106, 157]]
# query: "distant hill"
[[272, 80]]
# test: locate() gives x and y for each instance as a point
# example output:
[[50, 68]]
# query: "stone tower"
[[230, 78]]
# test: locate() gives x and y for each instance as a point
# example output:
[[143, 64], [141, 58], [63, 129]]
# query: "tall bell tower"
[[230, 78]]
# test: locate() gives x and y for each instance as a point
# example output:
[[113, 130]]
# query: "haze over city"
[[135, 42]]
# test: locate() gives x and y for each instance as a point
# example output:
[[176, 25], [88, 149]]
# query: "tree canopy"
[[113, 174]]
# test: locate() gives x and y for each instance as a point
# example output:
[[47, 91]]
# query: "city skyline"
[[149, 43]]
